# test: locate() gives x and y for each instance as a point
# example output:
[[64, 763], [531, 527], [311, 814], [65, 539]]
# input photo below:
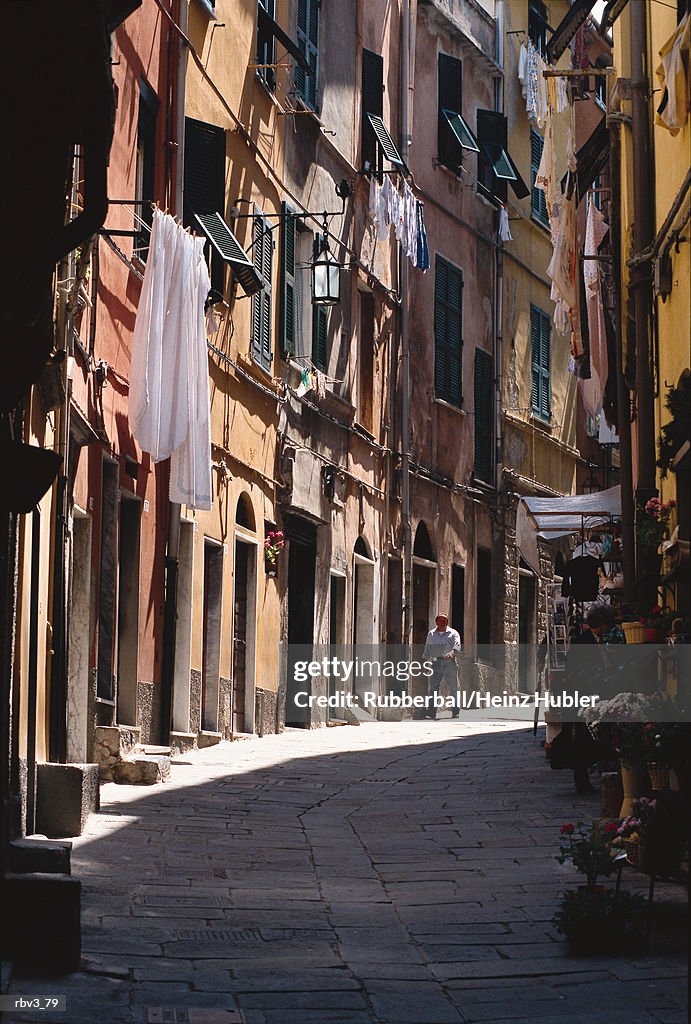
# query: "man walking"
[[441, 647]]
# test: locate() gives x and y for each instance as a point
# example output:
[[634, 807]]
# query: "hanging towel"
[[422, 261], [504, 227], [591, 391], [373, 198]]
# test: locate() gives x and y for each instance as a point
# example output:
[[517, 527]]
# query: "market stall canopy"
[[550, 518]]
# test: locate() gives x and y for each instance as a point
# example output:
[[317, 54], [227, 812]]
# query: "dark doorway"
[[211, 635], [483, 608], [242, 552], [394, 601], [128, 609], [526, 631], [457, 610], [302, 560]]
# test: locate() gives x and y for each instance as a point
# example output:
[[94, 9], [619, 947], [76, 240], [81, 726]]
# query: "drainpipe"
[[170, 607], [623, 395], [643, 234], [405, 347], [499, 280]]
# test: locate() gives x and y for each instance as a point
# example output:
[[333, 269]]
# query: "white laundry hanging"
[[169, 384]]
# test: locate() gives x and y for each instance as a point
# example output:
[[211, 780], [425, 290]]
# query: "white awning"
[[550, 518]]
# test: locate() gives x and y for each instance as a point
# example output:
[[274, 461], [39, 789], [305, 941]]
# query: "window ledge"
[[208, 8], [541, 424], [305, 108], [449, 405], [540, 223], [259, 372]]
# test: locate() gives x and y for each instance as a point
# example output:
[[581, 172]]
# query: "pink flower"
[[567, 830]]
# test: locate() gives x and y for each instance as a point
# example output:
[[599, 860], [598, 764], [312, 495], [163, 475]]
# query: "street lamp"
[[326, 274]]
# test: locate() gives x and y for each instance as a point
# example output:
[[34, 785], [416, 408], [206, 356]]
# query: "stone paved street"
[[393, 873]]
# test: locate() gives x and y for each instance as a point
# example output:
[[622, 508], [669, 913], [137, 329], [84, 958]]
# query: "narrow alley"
[[394, 873]]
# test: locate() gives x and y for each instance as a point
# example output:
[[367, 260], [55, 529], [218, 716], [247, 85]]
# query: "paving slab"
[[402, 873]]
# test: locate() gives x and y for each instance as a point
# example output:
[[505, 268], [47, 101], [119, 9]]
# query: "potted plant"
[[593, 918], [652, 527], [273, 545], [658, 826]]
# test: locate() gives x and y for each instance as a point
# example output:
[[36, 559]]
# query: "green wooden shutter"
[[540, 362], [372, 102], [288, 305], [449, 97], [545, 366], [538, 202], [204, 181], [483, 415], [262, 251], [308, 41], [320, 331], [448, 340]]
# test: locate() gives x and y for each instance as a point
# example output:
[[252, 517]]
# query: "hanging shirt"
[[422, 261], [591, 390], [672, 76], [373, 198], [581, 580], [504, 227], [382, 211]]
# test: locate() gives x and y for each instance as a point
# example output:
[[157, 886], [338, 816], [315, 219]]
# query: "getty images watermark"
[[621, 683]]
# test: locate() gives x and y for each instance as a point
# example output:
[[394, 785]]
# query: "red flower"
[[609, 828], [567, 830]]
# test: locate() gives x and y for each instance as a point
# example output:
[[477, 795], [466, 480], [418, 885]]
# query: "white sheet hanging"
[[169, 385]]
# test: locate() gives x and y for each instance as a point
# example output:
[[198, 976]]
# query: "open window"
[[537, 24], [146, 166], [496, 169], [269, 33], [306, 79], [453, 134], [377, 143]]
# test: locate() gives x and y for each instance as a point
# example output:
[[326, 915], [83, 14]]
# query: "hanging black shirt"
[[581, 581]]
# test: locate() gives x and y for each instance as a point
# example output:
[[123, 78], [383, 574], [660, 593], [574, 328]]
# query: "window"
[[204, 180], [453, 134], [262, 255], [458, 599], [288, 321], [146, 166], [320, 338], [538, 202], [597, 192], [266, 45], [484, 415], [448, 328], [537, 24], [483, 600], [366, 360], [372, 103], [496, 169], [308, 42], [601, 83], [540, 388]]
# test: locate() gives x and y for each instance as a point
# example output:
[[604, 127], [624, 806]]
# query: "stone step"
[[142, 771], [208, 739], [152, 751]]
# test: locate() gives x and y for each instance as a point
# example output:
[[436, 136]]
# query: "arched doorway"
[[364, 610], [244, 617], [424, 584]]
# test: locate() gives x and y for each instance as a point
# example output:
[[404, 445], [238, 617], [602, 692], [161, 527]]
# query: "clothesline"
[[404, 212]]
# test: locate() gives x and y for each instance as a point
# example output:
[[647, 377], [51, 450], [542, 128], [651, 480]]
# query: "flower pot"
[[633, 786], [652, 636], [633, 631], [659, 777], [611, 794], [633, 852]]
